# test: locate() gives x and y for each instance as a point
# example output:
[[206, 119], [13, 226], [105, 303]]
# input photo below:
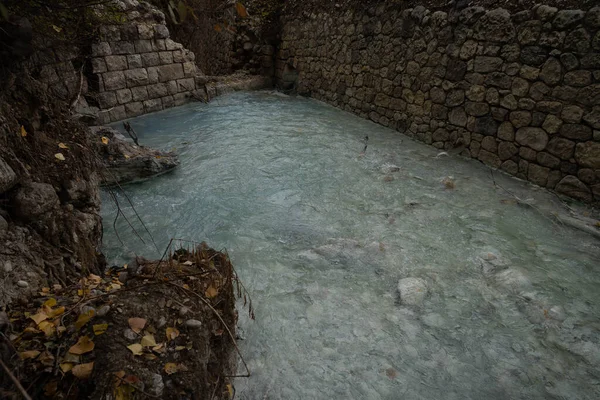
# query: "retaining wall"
[[520, 92]]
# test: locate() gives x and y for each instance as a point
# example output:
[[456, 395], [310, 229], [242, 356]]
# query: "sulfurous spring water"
[[508, 305]]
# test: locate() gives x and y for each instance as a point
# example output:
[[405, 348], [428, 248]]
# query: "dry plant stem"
[[224, 325], [15, 381]]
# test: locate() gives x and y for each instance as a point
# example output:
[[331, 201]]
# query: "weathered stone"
[[578, 41], [98, 65], [492, 96], [161, 31], [189, 70], [487, 64], [586, 175], [498, 79], [412, 291], [552, 39], [437, 95], [592, 118], [527, 153], [591, 60], [122, 47], [588, 154], [578, 78], [165, 57], [562, 148], [499, 113], [520, 87], [495, 26], [538, 174], [529, 73], [8, 178], [134, 61], [116, 63], [101, 49], [440, 135], [573, 187], [152, 105], [456, 70], [510, 52], [589, 95], [134, 109], [538, 91], [458, 117], [526, 104], [533, 55], [510, 166], [569, 61], [185, 85], [567, 18], [136, 77], [520, 119], [468, 50], [114, 80], [106, 99], [551, 71], [571, 114], [143, 46], [150, 59], [489, 158], [536, 138], [529, 32], [486, 126], [548, 160], [170, 72], [157, 90], [124, 96], [32, 200], [476, 109], [506, 131], [546, 13], [476, 93], [510, 102], [550, 107], [455, 98], [576, 132], [507, 150], [489, 143], [552, 124]]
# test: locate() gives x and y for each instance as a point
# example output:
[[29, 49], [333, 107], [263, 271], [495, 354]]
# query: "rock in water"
[[124, 162], [412, 291]]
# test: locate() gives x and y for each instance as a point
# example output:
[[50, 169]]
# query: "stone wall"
[[519, 92], [138, 69]]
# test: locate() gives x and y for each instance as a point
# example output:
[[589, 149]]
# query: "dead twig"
[[15, 381]]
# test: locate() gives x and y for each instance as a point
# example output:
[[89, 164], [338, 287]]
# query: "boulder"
[[8, 178], [573, 187], [125, 162], [33, 200], [412, 291]]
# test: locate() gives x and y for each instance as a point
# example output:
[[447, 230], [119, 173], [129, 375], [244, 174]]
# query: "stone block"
[[477, 109], [172, 87], [181, 98], [507, 150], [101, 49], [165, 57], [98, 65], [484, 64], [578, 78], [124, 96], [139, 93], [168, 101], [571, 114], [116, 63], [134, 109], [152, 74], [152, 105], [170, 72], [136, 77], [161, 31], [186, 85], [561, 148], [114, 80], [123, 47], [576, 132], [189, 69], [171, 45], [134, 61], [129, 32], [520, 119], [143, 46], [146, 31], [157, 90], [117, 113], [159, 45], [536, 138], [150, 59], [588, 154], [178, 56], [538, 174], [110, 33], [8, 178]]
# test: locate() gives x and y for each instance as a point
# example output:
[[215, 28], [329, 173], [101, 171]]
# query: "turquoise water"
[[321, 235]]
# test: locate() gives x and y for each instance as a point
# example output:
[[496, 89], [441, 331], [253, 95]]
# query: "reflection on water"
[[321, 236]]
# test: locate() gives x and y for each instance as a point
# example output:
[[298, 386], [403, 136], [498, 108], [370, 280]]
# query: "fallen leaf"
[[51, 302], [124, 392], [58, 29], [104, 140], [39, 317], [83, 371], [63, 146], [179, 348], [188, 263], [47, 359], [229, 390], [391, 373], [137, 324], [55, 312], [150, 356], [241, 10], [148, 341], [127, 156], [136, 349], [170, 368], [25, 355], [83, 345], [59, 156], [23, 131], [84, 318], [71, 358], [99, 329], [66, 367], [47, 327], [172, 333], [211, 292]]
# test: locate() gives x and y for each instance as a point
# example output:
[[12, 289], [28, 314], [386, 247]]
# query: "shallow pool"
[[321, 235]]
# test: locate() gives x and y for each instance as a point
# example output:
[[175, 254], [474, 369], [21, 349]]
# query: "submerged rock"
[[125, 162], [412, 291]]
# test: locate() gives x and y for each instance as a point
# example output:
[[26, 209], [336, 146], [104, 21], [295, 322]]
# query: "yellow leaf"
[[66, 367], [47, 327], [83, 345], [150, 356], [229, 390], [179, 348], [59, 156], [211, 292], [124, 392], [29, 354], [94, 278], [148, 341], [84, 318], [23, 131], [170, 368], [51, 302], [39, 317], [104, 140], [99, 329], [136, 349], [127, 157], [47, 359], [57, 28], [55, 312], [137, 324], [63, 146], [83, 371], [172, 333], [241, 10]]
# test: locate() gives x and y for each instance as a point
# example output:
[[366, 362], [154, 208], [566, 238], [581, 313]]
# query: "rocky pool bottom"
[[397, 273]]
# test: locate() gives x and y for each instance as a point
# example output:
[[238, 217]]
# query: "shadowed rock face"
[[124, 162]]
